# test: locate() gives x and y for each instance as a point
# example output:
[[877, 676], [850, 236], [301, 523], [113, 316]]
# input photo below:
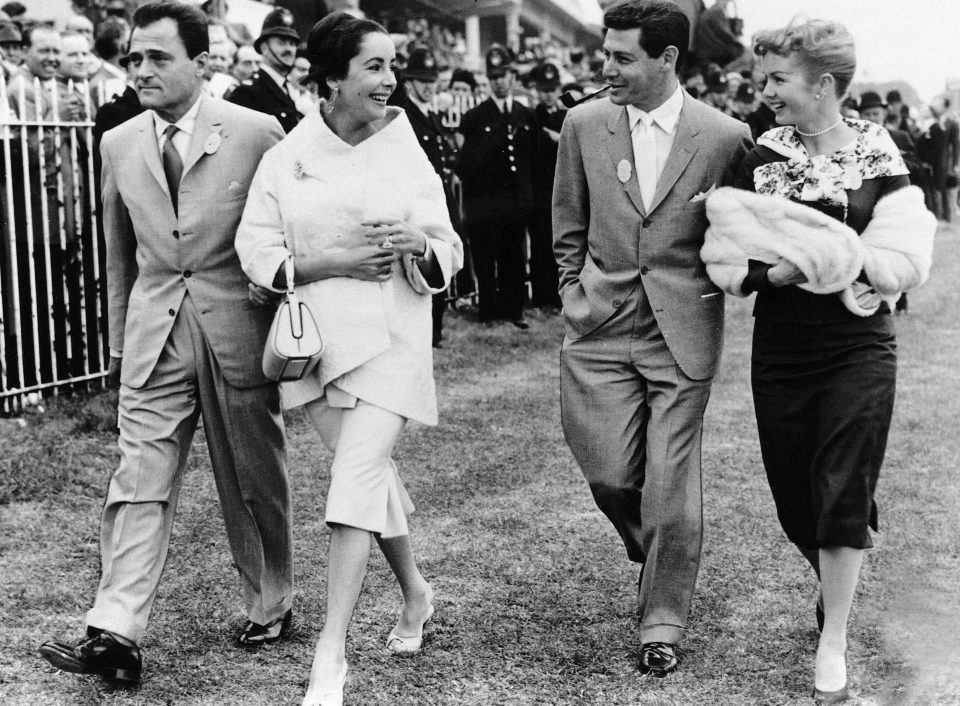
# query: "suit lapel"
[[620, 149], [684, 147], [207, 124], [151, 151], [277, 91]]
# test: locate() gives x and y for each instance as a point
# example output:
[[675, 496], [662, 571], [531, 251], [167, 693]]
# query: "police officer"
[[268, 91], [420, 85], [544, 283], [495, 166]]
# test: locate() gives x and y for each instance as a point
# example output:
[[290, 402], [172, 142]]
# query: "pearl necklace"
[[822, 132]]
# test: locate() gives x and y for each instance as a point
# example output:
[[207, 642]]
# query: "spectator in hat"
[[940, 148], [757, 115], [495, 166], [462, 84], [873, 108], [896, 107], [716, 92], [11, 47], [269, 92], [544, 281], [420, 85]]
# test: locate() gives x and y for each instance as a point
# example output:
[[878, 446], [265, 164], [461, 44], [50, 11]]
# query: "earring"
[[330, 103]]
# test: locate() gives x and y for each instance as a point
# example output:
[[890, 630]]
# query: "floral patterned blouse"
[[844, 185], [827, 177]]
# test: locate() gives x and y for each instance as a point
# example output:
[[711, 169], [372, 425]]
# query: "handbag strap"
[[288, 266]]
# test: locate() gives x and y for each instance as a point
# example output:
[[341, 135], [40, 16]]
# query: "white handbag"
[[293, 345]]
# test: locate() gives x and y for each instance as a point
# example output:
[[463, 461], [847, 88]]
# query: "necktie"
[[645, 155], [172, 164]]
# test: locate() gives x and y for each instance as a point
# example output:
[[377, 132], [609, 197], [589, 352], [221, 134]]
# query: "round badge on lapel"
[[212, 144], [624, 170]]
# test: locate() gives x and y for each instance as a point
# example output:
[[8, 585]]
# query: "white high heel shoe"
[[329, 694], [408, 645]]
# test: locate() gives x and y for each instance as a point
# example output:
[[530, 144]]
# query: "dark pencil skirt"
[[823, 397]]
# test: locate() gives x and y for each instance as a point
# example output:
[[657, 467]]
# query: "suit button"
[[187, 274], [176, 234], [172, 312], [510, 147], [511, 158], [617, 303], [426, 137], [647, 223], [510, 137], [644, 270], [513, 169], [283, 115]]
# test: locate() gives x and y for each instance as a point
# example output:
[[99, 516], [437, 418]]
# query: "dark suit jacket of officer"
[[429, 132], [495, 163], [545, 160], [940, 148], [261, 93]]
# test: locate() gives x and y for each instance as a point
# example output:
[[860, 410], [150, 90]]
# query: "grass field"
[[536, 601]]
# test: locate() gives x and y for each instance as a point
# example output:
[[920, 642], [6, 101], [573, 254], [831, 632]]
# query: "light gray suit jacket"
[[606, 243], [156, 256]]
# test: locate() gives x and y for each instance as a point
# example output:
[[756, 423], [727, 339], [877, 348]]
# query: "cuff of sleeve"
[[756, 279], [115, 353]]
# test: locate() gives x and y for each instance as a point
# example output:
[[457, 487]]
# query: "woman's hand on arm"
[[402, 238], [785, 273], [356, 257]]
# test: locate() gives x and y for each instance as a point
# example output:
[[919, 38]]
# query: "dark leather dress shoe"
[[254, 634], [520, 324], [658, 659], [101, 653]]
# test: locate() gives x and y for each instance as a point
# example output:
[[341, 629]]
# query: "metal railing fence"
[[52, 293]]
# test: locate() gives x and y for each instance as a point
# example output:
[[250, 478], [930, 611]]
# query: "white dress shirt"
[[185, 128], [653, 131]]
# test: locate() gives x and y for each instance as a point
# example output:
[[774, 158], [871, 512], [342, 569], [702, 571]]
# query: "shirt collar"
[[278, 79], [185, 124], [504, 104], [423, 107], [666, 115]]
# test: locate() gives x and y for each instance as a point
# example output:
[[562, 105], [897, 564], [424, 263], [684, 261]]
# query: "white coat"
[[312, 190]]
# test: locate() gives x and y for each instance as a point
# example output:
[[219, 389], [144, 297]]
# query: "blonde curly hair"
[[820, 46]]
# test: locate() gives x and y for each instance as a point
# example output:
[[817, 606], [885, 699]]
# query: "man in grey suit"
[[644, 324], [185, 341]]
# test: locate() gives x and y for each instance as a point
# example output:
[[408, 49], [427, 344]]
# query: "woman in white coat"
[[350, 194]]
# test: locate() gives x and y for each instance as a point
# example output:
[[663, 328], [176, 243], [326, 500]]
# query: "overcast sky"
[[914, 40]]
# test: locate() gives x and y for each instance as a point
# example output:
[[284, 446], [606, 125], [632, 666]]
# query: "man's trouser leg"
[[633, 421]]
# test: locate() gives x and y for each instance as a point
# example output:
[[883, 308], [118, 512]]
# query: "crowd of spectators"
[[77, 73]]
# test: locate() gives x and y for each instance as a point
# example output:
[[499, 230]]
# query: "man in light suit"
[[644, 324], [186, 341]]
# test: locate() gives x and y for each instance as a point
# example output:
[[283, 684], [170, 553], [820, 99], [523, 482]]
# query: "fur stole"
[[894, 251]]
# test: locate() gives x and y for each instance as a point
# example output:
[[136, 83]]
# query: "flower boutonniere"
[[212, 144], [297, 170]]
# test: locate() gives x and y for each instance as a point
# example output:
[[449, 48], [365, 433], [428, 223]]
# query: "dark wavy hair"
[[661, 24], [191, 22], [332, 43]]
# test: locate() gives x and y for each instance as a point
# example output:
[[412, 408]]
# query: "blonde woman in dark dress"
[[832, 232]]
